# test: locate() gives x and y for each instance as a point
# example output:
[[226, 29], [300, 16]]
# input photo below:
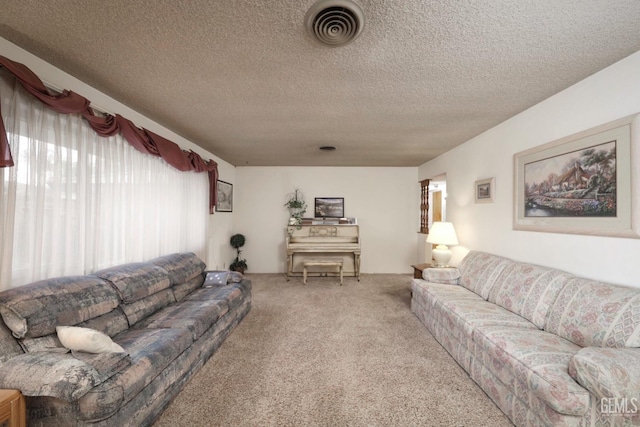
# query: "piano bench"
[[331, 262]]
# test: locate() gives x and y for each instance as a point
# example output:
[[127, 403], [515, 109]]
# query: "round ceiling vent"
[[334, 22]]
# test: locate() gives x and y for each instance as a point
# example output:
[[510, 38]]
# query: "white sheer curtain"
[[76, 202]]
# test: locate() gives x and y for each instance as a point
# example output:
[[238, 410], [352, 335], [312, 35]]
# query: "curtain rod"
[[58, 90]]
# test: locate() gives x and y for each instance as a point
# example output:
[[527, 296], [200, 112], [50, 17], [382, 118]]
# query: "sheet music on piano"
[[320, 240]]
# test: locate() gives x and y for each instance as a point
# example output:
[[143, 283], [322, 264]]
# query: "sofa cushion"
[[9, 347], [61, 375], [181, 290], [136, 280], [479, 271], [138, 310], [232, 295], [181, 267], [111, 324], [436, 294], [528, 290], [235, 277], [591, 313], [465, 315], [194, 316], [36, 309], [49, 343], [608, 372], [537, 359], [150, 351], [448, 276], [245, 285]]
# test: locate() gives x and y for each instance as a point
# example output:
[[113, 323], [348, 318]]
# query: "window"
[[76, 202]]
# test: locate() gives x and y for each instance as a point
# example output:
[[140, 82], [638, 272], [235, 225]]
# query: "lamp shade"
[[442, 233]]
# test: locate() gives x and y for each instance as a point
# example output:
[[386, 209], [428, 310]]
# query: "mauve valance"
[[143, 140]]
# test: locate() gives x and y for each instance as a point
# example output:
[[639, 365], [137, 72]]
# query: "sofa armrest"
[[66, 376], [607, 372], [447, 276]]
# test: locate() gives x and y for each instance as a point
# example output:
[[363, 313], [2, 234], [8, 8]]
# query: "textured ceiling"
[[243, 79]]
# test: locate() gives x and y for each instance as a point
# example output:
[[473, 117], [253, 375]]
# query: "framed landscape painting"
[[225, 197], [329, 207], [581, 184]]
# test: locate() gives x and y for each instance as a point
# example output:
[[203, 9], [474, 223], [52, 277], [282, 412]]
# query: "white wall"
[[385, 201], [219, 224], [610, 94]]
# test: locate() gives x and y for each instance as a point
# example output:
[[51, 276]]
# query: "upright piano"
[[316, 241]]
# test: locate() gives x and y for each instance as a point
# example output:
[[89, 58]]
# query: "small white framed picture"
[[484, 189]]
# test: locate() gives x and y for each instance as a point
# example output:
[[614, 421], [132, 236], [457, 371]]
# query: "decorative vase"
[[295, 211]]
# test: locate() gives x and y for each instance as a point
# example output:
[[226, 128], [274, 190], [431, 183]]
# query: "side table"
[[417, 270], [12, 408]]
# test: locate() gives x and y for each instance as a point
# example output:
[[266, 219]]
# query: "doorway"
[[435, 202], [438, 198], [437, 207]]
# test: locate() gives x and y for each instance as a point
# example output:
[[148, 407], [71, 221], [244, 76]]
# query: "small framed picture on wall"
[[225, 197], [484, 189]]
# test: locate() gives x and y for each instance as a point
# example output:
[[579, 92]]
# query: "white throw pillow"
[[87, 340]]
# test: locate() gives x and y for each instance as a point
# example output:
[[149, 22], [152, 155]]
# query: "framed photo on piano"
[[329, 207]]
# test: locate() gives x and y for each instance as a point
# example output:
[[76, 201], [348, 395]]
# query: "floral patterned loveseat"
[[162, 313], [549, 348]]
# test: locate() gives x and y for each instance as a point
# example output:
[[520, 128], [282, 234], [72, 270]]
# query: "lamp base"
[[441, 255]]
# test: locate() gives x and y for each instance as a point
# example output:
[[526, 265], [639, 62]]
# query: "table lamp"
[[442, 234]]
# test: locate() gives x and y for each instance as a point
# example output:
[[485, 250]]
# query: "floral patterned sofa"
[[159, 312], [549, 348]]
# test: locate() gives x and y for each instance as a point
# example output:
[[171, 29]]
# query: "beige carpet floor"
[[326, 355]]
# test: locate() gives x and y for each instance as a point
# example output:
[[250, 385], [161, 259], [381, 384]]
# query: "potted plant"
[[296, 206], [237, 241]]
